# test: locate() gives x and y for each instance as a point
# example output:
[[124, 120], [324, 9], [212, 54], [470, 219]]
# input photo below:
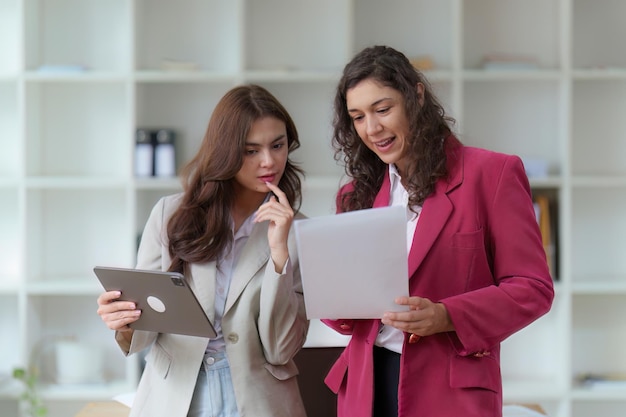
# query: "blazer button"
[[233, 337]]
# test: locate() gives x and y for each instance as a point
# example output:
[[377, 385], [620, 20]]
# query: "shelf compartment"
[[605, 408], [71, 231], [409, 26], [276, 42], [70, 35], [10, 157], [598, 33], [599, 127], [598, 235], [598, 335], [443, 90], [77, 129], [10, 41], [145, 201], [533, 357], [523, 119], [10, 351], [52, 319], [313, 122], [183, 107], [10, 239], [319, 200], [187, 34], [502, 27]]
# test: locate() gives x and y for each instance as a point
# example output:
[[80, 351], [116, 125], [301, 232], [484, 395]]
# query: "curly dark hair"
[[199, 229], [429, 129]]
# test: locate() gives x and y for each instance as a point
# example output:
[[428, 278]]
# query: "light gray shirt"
[[225, 267]]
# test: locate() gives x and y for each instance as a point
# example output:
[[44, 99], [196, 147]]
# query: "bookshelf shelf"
[[78, 78]]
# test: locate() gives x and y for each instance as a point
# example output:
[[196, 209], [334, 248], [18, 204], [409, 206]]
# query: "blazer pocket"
[[468, 240], [472, 372], [470, 261], [283, 372], [159, 360]]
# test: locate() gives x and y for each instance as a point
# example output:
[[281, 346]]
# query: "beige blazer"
[[264, 326]]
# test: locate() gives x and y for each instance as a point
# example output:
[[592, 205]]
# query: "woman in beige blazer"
[[229, 233]]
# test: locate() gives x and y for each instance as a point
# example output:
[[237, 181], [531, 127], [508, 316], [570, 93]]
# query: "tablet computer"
[[167, 303]]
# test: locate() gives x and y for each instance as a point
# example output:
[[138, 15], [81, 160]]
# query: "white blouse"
[[390, 337]]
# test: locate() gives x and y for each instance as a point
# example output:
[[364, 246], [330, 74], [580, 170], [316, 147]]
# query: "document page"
[[353, 264]]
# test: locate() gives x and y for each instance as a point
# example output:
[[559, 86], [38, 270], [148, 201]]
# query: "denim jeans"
[[214, 395]]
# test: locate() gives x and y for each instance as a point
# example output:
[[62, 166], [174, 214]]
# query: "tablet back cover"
[[167, 303]]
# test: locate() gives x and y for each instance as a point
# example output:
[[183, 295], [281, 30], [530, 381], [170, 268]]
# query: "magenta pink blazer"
[[477, 249]]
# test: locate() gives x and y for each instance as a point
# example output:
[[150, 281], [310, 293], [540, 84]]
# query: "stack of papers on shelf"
[[501, 61], [61, 69], [610, 380]]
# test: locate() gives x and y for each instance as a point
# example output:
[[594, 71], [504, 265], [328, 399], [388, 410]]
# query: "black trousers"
[[386, 377]]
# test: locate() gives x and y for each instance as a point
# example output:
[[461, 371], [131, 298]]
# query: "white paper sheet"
[[126, 398], [353, 264]]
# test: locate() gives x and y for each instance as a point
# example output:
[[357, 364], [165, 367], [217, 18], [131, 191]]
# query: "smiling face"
[[265, 156], [379, 118]]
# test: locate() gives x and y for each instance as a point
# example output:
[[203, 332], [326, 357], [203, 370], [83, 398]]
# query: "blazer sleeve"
[[523, 289], [149, 256], [283, 325]]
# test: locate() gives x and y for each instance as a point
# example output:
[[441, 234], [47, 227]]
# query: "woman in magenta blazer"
[[477, 267]]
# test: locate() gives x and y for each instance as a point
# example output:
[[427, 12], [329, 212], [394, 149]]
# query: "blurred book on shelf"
[[548, 230], [155, 153], [423, 62]]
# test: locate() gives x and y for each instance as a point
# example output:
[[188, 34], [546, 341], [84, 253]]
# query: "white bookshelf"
[[69, 199]]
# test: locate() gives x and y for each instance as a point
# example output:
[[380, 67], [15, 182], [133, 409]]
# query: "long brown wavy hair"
[[429, 129], [200, 229]]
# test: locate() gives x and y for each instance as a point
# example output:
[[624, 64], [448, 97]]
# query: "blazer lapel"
[[435, 212], [382, 198], [254, 256], [202, 283]]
